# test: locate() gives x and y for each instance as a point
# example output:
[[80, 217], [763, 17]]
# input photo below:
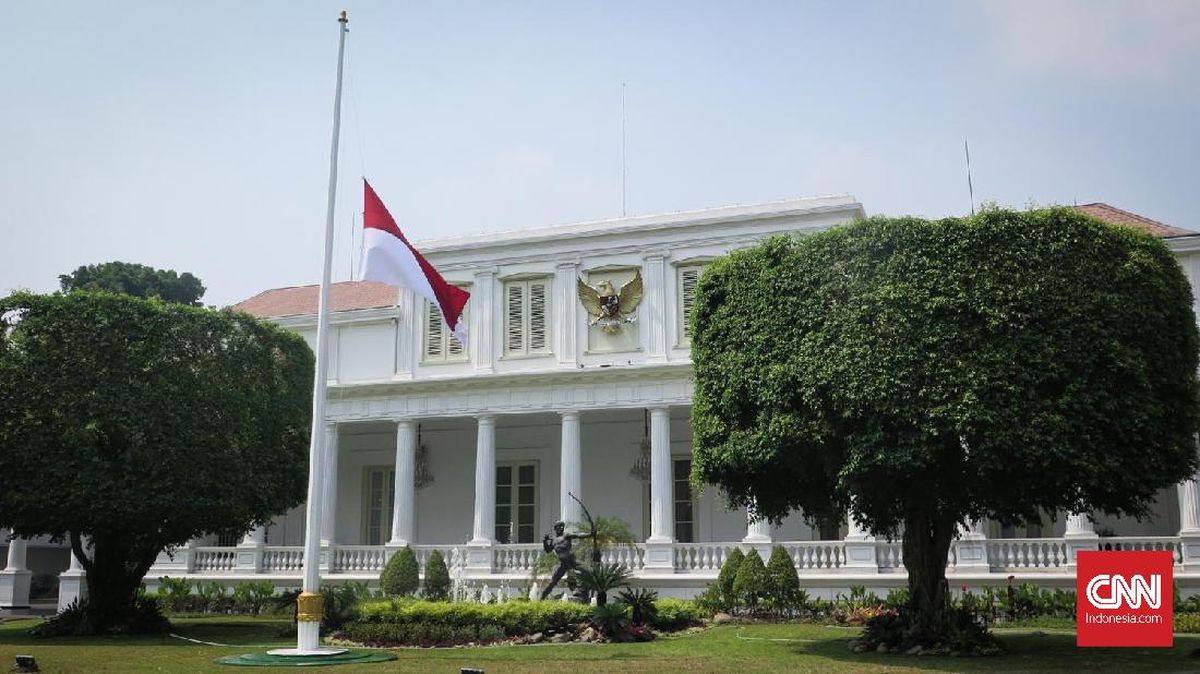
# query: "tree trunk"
[[114, 574], [927, 539]]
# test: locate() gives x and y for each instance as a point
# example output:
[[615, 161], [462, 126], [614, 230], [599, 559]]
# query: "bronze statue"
[[560, 544]]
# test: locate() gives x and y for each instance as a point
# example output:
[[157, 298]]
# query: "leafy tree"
[[921, 374], [751, 581], [783, 583], [437, 577], [140, 425], [138, 280], [401, 575], [727, 575]]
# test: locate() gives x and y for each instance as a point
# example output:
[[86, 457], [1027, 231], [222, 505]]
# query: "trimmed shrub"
[[783, 583], [1188, 623], [675, 614], [514, 618], [726, 577], [401, 576], [342, 602], [751, 581], [437, 578]]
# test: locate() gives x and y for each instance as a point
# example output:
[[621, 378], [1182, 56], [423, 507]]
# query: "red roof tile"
[[1117, 216], [344, 296]]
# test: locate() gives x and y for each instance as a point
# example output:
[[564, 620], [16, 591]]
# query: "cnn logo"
[[1124, 598], [1114, 591]]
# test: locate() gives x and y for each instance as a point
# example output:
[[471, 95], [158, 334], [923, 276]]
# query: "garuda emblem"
[[609, 308]]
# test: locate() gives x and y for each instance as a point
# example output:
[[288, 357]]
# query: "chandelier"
[[422, 475], [641, 465]]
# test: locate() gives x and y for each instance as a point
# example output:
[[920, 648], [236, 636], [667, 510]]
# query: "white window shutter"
[[537, 316], [514, 322], [454, 347], [688, 278], [434, 332]]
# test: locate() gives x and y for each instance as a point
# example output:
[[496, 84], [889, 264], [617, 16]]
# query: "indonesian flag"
[[388, 257]]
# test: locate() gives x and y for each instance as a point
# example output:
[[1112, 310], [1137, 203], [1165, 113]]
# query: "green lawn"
[[744, 650]]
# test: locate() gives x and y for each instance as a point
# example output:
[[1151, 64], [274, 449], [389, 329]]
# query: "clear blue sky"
[[195, 136]]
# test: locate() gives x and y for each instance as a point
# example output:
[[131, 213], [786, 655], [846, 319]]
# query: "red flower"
[[964, 588]]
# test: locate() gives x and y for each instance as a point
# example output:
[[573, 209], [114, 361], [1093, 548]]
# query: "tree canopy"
[[141, 424], [138, 280], [918, 374]]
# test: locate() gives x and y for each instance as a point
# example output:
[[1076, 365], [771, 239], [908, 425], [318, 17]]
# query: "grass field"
[[744, 650]]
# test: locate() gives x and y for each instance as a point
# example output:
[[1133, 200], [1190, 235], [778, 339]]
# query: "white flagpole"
[[310, 605]]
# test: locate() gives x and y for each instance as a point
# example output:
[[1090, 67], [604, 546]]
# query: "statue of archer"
[[561, 543]]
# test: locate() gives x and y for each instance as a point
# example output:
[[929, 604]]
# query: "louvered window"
[[689, 277], [526, 317], [440, 344]]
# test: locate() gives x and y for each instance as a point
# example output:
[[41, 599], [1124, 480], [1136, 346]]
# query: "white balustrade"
[[630, 556], [890, 555], [1027, 553], [359, 558], [702, 556], [1171, 544], [816, 555], [517, 558], [214, 559], [283, 558]]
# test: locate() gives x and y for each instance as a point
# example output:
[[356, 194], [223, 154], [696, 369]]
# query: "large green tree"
[[139, 424], [138, 280], [922, 374]]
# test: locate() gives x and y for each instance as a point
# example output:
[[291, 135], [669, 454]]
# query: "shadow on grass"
[[222, 630], [1027, 650]]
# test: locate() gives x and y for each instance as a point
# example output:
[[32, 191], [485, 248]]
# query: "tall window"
[[441, 346], [689, 277], [516, 503], [684, 509], [378, 491], [526, 317]]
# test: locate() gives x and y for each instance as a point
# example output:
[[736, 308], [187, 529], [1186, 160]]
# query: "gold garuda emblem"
[[609, 308]]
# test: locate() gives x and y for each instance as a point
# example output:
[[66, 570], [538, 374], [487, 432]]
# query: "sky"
[[196, 136]]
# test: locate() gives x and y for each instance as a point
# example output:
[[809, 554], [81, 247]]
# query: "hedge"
[[514, 617]]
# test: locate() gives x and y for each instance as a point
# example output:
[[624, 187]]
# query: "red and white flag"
[[389, 258]]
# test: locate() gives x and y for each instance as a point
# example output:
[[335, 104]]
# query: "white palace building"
[[474, 451]]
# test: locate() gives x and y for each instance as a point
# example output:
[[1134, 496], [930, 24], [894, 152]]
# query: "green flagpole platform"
[[267, 660]]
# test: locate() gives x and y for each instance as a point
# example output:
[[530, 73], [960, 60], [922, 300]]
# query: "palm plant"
[[641, 604], [602, 578]]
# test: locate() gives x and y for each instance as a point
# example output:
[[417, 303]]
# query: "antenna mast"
[[970, 187], [622, 149]]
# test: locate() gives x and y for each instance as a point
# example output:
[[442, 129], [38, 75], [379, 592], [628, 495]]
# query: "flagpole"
[[310, 604]]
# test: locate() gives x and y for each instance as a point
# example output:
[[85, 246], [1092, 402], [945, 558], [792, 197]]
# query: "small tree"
[[138, 280], [137, 425], [783, 584], [751, 582], [437, 577], [401, 575], [727, 575], [922, 374]]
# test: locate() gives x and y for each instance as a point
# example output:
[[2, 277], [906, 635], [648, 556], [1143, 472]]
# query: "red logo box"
[[1124, 598]]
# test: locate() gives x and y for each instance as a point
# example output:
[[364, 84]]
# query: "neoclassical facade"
[[477, 450]]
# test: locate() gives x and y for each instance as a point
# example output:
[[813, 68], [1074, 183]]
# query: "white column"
[[409, 327], [1189, 522], [758, 535], [970, 550], [1080, 535], [72, 583], [654, 312], [481, 310], [565, 313], [403, 498], [861, 556], [662, 487], [571, 481], [249, 552], [329, 487], [14, 578], [479, 553], [660, 551]]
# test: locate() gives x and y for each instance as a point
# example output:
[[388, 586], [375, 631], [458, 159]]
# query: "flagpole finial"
[[342, 18]]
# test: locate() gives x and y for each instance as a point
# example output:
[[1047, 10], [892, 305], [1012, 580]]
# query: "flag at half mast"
[[389, 258]]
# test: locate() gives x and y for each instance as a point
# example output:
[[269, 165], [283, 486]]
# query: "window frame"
[[446, 338], [527, 318], [683, 337], [389, 495], [514, 503]]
